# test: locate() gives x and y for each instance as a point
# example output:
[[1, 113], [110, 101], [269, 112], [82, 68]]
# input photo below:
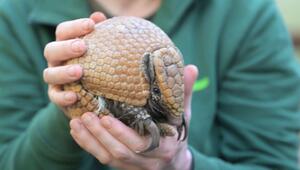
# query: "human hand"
[[117, 145], [67, 46]]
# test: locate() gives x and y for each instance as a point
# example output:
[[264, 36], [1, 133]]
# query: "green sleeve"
[[34, 134], [258, 95]]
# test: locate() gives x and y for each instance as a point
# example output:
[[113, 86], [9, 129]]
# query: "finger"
[[124, 166], [97, 17], [88, 142], [166, 150], [59, 51], [61, 98], [62, 74], [118, 150], [131, 139], [73, 29], [190, 76]]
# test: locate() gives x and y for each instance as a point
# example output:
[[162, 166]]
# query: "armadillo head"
[[165, 73]]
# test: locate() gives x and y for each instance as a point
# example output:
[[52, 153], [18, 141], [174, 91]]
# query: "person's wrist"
[[182, 161], [185, 160], [189, 160]]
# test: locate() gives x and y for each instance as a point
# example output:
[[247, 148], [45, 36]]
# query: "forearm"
[[46, 144]]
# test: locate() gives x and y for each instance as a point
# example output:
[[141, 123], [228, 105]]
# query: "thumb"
[[97, 17], [190, 76]]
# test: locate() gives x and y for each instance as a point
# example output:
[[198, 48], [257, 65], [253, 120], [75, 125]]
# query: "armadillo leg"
[[143, 123], [137, 118], [86, 102], [154, 134], [166, 129]]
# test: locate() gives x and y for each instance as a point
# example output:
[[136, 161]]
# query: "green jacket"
[[244, 117]]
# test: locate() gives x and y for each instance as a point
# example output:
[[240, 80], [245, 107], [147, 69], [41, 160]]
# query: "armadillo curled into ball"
[[133, 71]]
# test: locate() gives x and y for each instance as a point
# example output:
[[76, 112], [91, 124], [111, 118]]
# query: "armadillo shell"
[[113, 62]]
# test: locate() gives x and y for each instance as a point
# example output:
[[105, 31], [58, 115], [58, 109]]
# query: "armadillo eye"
[[156, 90]]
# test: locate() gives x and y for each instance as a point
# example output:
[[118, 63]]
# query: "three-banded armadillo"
[[133, 71]]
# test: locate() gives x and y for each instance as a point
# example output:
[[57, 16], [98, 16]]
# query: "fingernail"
[[88, 24], [74, 70], [70, 96], [75, 125], [87, 118], [78, 46], [106, 122]]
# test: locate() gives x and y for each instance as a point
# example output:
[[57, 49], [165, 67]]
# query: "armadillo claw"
[[151, 127]]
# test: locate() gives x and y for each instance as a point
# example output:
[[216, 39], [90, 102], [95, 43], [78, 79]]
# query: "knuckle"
[[141, 146], [58, 97], [91, 123], [67, 98], [76, 47], [168, 157], [51, 96], [120, 154], [118, 133], [85, 25]]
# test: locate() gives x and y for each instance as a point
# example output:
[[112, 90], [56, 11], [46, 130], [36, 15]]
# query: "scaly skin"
[[126, 58]]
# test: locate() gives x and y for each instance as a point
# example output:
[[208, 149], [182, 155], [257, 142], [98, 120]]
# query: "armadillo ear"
[[148, 67]]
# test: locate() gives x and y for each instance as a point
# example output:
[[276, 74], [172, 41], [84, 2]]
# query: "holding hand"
[[117, 145], [108, 139], [67, 46]]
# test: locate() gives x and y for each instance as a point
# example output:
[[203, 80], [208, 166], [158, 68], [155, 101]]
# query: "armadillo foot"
[[145, 124], [139, 119], [154, 134]]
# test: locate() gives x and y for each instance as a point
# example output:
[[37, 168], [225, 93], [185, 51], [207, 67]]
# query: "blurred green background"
[[290, 10]]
